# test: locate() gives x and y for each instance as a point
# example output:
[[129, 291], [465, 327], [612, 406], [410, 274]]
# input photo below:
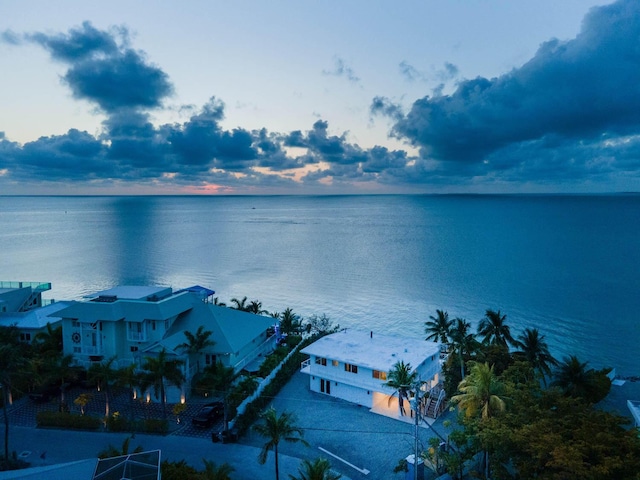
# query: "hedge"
[[290, 367], [67, 420]]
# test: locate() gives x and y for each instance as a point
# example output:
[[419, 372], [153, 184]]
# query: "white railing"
[[305, 364], [253, 354], [91, 350], [136, 336]]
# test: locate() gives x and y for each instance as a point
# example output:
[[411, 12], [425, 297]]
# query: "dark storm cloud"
[[384, 106], [73, 155], [325, 147], [78, 44], [104, 70], [201, 141], [575, 90]]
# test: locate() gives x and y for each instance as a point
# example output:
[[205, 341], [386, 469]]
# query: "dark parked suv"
[[208, 414]]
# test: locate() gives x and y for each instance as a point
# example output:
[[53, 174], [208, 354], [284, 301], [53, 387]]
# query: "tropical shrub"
[[67, 420]]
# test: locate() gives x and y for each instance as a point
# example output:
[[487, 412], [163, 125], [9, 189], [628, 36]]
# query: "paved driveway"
[[366, 440]]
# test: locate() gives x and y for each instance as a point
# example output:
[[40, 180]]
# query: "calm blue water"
[[568, 265]]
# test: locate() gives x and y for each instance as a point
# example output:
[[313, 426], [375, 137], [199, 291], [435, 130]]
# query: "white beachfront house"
[[353, 365], [22, 306], [135, 322]]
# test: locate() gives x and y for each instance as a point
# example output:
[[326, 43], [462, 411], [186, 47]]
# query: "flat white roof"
[[131, 292], [372, 350]]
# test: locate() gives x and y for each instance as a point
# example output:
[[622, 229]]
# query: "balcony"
[[95, 350], [305, 366], [136, 336]]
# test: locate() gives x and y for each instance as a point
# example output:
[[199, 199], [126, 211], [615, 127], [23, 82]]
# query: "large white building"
[[135, 322], [22, 306], [353, 365]]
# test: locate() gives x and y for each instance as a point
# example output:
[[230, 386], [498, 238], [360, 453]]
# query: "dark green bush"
[[154, 425], [67, 420], [291, 366], [118, 423]]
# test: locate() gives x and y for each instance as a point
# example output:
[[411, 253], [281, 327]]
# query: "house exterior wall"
[[359, 384]]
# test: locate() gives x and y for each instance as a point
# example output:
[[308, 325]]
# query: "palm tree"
[[494, 329], [221, 381], [462, 341], [319, 469], [159, 370], [197, 343], [13, 358], [217, 302], [240, 304], [215, 472], [290, 322], [130, 379], [534, 349], [112, 451], [255, 307], [61, 370], [481, 393], [276, 428], [572, 377], [104, 375], [49, 342], [438, 328], [401, 379]]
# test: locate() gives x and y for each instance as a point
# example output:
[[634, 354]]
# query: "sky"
[[310, 97]]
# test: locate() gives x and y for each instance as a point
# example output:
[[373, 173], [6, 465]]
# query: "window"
[[153, 324], [350, 368], [321, 361], [335, 363], [77, 349], [380, 375], [25, 337], [209, 359], [75, 324], [136, 332]]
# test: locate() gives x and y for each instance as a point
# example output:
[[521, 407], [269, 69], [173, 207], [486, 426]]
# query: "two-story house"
[[353, 365], [135, 322], [22, 306]]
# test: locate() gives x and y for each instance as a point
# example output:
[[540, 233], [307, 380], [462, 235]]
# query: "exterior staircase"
[[435, 403]]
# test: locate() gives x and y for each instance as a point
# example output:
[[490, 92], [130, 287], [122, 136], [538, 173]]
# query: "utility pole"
[[416, 408]]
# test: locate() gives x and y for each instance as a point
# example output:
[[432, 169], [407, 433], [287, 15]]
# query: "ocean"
[[568, 265]]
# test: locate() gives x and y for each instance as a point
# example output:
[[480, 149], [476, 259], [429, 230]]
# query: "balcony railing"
[[91, 350], [305, 365], [137, 336]]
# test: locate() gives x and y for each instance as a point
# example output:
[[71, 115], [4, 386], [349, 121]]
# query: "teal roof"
[[232, 329]]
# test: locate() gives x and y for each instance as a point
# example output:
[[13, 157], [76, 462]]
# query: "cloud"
[[568, 116], [564, 100], [103, 69], [447, 73], [385, 107], [341, 69], [410, 73]]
